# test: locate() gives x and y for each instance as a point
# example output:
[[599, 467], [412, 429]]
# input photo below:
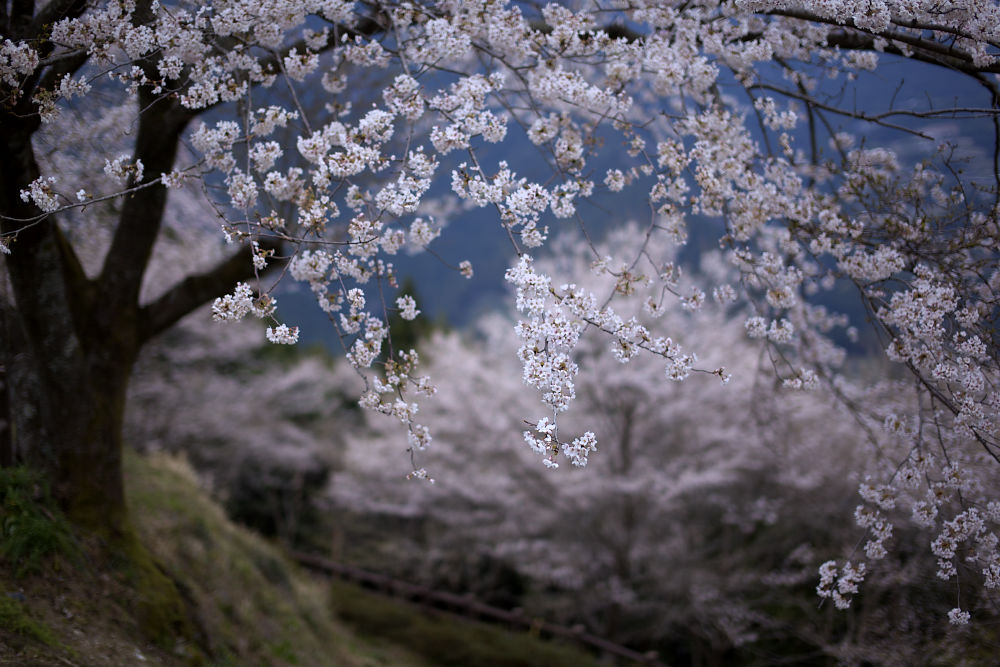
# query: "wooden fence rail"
[[468, 606]]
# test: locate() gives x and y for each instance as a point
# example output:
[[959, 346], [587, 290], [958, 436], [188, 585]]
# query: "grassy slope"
[[248, 605]]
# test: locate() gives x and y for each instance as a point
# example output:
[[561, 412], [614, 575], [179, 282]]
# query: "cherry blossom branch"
[[192, 292]]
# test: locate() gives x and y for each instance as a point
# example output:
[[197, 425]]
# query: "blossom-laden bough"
[[711, 112]]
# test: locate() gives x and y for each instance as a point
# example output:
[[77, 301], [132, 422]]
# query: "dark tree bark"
[[69, 342], [65, 401]]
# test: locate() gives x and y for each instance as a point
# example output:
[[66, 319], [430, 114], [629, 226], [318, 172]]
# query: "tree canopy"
[[737, 119]]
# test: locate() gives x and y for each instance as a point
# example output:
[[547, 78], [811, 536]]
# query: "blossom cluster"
[[341, 190]]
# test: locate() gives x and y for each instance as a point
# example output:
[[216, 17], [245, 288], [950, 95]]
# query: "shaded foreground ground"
[[64, 603]]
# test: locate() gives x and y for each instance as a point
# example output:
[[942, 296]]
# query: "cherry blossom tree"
[[696, 528], [712, 112]]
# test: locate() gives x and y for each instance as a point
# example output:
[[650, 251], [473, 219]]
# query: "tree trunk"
[[71, 430], [65, 399], [68, 342], [7, 456], [66, 371]]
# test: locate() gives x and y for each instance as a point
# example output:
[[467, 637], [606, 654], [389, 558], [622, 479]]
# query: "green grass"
[[446, 640], [32, 529], [254, 607], [14, 619], [216, 594], [185, 587]]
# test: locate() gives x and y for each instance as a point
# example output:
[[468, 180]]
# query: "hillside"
[[65, 601]]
